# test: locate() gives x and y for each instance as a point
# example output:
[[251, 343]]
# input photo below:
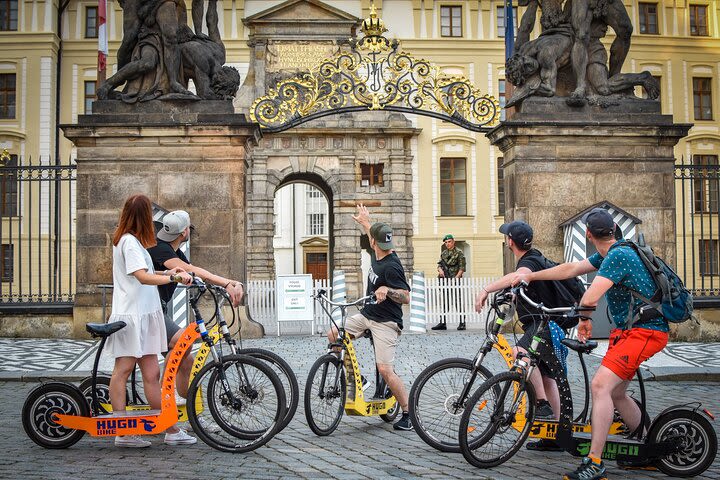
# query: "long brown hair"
[[136, 219]]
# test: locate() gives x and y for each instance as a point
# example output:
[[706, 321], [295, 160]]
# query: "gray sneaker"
[[404, 423], [543, 411]]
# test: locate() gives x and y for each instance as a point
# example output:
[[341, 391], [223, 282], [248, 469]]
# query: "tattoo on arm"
[[399, 296]]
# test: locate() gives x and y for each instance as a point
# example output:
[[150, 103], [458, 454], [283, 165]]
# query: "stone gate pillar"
[[183, 155], [560, 160]]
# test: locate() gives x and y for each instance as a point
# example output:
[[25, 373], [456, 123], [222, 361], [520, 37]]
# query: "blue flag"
[[509, 30]]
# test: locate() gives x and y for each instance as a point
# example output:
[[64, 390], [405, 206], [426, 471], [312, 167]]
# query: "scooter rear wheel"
[[39, 410], [696, 438]]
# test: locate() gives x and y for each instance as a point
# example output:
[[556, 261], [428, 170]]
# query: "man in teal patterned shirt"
[[619, 270]]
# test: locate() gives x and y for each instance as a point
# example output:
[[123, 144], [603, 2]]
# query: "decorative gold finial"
[[373, 26], [4, 157]]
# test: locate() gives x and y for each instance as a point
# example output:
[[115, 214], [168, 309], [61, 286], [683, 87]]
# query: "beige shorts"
[[386, 336]]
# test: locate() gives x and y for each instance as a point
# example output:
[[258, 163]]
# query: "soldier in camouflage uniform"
[[451, 265]]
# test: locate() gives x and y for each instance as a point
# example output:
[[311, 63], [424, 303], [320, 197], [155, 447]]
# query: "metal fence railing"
[[697, 191], [37, 236]]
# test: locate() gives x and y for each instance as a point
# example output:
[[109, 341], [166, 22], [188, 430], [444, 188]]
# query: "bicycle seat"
[[578, 346], [104, 329]]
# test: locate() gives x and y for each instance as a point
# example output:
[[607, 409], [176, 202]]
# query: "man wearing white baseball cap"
[[166, 254]]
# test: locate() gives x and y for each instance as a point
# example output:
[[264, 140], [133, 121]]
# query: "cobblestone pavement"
[[360, 448]]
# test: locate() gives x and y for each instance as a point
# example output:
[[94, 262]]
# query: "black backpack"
[[567, 292]]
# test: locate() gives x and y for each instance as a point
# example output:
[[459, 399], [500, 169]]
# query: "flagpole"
[[102, 43], [509, 48]]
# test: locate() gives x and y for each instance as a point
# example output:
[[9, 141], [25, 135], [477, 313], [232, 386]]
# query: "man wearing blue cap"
[[620, 271]]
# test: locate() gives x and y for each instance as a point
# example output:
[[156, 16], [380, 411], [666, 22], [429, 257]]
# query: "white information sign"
[[294, 298]]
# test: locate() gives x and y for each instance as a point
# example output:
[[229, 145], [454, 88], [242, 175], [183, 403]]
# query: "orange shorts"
[[629, 348]]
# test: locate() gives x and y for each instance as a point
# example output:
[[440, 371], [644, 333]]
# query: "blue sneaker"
[[588, 470]]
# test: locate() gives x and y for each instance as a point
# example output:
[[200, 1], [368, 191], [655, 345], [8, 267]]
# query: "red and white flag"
[[102, 36]]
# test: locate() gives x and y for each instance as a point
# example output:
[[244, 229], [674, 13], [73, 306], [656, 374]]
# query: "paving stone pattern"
[[361, 448]]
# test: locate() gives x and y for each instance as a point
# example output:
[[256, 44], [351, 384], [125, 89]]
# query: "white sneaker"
[[207, 426], [180, 401], [179, 438], [131, 441]]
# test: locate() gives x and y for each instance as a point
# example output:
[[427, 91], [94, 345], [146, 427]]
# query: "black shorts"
[[171, 328], [548, 362]]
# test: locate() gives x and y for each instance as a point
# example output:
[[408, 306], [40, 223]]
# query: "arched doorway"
[[302, 222], [335, 160]]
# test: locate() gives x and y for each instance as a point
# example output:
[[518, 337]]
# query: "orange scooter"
[[57, 415]]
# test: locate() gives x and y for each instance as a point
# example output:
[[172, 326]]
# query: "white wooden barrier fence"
[[453, 299], [448, 299]]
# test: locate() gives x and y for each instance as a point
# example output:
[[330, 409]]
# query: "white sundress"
[[136, 304]]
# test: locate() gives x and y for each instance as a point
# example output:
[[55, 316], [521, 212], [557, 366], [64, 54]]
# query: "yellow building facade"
[[458, 186]]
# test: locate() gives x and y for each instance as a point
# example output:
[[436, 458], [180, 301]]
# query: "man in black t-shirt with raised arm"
[[386, 279], [166, 255], [518, 238]]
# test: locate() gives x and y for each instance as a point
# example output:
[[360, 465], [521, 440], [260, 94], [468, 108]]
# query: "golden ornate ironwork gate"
[[375, 75]]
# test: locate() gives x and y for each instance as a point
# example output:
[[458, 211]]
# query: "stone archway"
[[318, 180], [336, 158]]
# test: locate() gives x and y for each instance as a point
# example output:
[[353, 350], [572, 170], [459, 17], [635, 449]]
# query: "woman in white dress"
[[137, 303]]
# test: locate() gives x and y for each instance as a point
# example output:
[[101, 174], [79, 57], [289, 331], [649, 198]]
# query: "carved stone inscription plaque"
[[297, 56]]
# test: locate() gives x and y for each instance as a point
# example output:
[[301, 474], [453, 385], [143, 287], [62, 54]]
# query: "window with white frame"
[[708, 257], [8, 15], [91, 22], [316, 212], [501, 98], [451, 21], [501, 21], [648, 18], [8, 95], [9, 189], [90, 96], [7, 260], [699, 20], [453, 187], [702, 98]]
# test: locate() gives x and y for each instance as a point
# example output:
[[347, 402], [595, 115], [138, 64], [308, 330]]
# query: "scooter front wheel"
[[40, 408], [325, 391], [497, 420]]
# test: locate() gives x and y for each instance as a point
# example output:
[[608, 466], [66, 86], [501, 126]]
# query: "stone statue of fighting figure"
[[571, 38], [166, 54]]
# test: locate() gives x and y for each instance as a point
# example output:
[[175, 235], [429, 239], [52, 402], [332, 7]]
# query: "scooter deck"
[[133, 409], [373, 407], [548, 429], [144, 422], [130, 412], [617, 447]]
